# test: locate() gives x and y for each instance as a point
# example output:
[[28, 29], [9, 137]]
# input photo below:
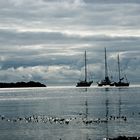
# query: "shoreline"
[[124, 138]]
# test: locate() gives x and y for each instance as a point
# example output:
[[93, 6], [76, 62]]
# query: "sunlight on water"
[[69, 113]]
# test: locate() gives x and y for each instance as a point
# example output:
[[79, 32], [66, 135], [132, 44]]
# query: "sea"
[[69, 113]]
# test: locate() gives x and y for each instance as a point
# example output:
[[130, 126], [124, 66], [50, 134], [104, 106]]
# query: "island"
[[22, 84]]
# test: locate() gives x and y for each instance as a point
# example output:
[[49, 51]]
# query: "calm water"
[[119, 106]]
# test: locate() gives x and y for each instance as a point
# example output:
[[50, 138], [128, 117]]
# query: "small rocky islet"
[[22, 84]]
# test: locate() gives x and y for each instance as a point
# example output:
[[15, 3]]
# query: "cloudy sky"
[[45, 40]]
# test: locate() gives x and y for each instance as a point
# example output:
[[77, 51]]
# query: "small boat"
[[84, 83], [121, 83], [106, 81]]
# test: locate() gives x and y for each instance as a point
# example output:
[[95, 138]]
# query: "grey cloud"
[[86, 17], [48, 38], [13, 37]]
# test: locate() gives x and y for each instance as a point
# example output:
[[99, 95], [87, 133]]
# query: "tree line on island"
[[21, 84]]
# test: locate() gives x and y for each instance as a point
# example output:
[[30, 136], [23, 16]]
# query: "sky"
[[45, 40]]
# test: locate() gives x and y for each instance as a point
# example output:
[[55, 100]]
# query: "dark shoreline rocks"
[[21, 84], [55, 120], [62, 121], [124, 138]]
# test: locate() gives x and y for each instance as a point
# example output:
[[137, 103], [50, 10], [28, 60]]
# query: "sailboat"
[[84, 83], [105, 81], [121, 83]]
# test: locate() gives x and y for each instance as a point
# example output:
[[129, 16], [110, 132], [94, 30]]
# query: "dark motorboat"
[[106, 81], [121, 83], [84, 83]]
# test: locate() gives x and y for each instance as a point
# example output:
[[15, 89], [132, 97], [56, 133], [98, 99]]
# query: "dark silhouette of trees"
[[21, 84]]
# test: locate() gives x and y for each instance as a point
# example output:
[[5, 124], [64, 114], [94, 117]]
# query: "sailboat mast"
[[119, 67], [85, 67], [106, 71]]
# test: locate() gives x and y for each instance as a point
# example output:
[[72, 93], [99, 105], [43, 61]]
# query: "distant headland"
[[22, 84]]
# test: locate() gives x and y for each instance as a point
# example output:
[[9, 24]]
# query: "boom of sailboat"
[[107, 80]]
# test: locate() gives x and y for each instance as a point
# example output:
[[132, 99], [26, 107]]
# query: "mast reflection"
[[107, 111]]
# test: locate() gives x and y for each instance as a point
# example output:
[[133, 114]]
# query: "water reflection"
[[86, 111], [107, 111], [86, 104], [120, 107], [81, 113]]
